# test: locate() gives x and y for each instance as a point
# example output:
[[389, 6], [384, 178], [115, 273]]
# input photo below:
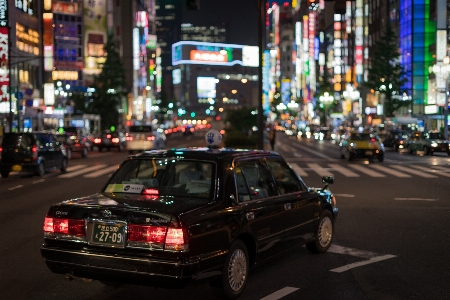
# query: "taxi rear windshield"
[[165, 177], [361, 136], [140, 128]]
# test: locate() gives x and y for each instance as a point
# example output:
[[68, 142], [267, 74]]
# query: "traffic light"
[[192, 4]]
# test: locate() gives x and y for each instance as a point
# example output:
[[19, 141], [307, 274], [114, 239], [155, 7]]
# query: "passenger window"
[[253, 181], [285, 178]]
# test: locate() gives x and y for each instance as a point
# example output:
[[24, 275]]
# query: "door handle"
[[250, 215]]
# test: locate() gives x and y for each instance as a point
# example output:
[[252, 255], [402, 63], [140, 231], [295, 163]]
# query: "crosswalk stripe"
[[101, 172], [74, 168], [82, 171], [390, 171], [342, 170], [430, 170], [298, 170], [319, 170], [415, 172], [444, 169], [367, 171]]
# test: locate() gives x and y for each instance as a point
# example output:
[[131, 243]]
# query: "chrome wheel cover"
[[237, 270], [325, 232]]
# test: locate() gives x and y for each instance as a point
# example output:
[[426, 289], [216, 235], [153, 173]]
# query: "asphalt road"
[[392, 236]]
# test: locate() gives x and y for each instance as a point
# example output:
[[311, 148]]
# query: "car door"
[[261, 207], [297, 201]]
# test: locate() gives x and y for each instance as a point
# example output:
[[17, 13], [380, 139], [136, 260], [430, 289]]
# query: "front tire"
[[324, 234], [84, 153], [235, 271]]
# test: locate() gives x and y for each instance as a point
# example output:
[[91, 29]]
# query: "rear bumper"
[[120, 268], [140, 145], [27, 167], [366, 153]]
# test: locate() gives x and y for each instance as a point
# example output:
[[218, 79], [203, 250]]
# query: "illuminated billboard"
[[94, 35], [4, 70], [188, 52], [206, 87]]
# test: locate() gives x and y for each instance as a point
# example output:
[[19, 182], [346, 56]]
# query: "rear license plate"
[[17, 168], [108, 234], [368, 152]]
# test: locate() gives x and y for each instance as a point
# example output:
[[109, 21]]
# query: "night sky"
[[241, 17]]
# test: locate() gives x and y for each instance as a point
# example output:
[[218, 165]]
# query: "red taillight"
[[34, 152], [97, 141], [64, 226], [150, 191], [150, 138], [372, 140], [130, 138], [1, 150], [108, 136], [146, 234], [170, 238], [115, 140], [175, 239]]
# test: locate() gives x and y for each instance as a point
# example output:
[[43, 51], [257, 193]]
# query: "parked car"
[[74, 144], [144, 137], [168, 218], [35, 152], [428, 142], [362, 144]]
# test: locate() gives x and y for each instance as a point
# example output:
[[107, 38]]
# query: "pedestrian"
[[271, 137]]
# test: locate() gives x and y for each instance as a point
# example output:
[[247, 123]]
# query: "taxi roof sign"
[[213, 138]]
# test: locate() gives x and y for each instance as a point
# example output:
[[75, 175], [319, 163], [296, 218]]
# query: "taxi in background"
[[168, 218], [362, 144], [428, 142]]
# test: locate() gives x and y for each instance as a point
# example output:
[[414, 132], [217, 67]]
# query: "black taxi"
[[167, 218]]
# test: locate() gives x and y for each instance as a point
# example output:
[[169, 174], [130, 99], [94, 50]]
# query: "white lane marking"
[[82, 171], [445, 169], [362, 263], [344, 171], [74, 168], [38, 181], [298, 170], [315, 152], [344, 195], [15, 187], [101, 172], [280, 293], [415, 172], [415, 199], [319, 170], [351, 251], [437, 172], [390, 171], [367, 171]]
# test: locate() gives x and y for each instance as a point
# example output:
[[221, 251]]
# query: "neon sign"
[[4, 70], [214, 54]]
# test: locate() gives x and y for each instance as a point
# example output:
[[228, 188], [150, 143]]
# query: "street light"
[[443, 69], [326, 99]]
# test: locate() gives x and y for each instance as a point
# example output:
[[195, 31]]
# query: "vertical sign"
[[312, 62], [48, 41], [4, 64], [4, 52], [95, 29]]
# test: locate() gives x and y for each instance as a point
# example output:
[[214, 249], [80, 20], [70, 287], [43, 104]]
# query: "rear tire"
[[84, 153], [324, 234], [41, 169], [64, 165], [235, 271]]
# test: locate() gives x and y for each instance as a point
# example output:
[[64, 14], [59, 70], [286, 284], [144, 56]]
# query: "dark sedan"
[[167, 218]]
